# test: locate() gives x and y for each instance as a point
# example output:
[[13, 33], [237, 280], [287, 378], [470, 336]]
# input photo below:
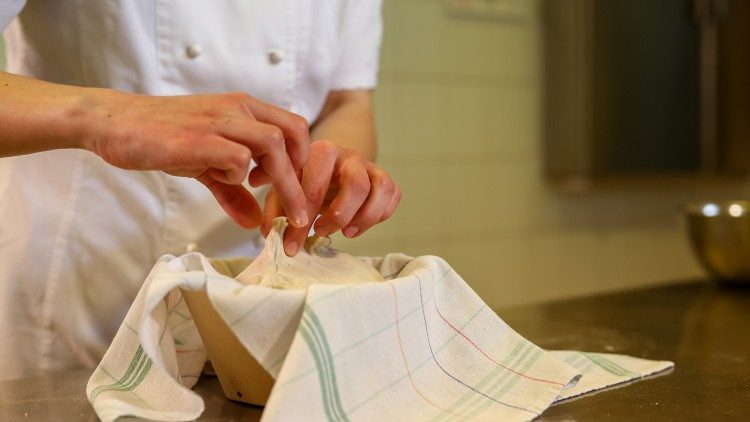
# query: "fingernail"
[[300, 219], [351, 231], [291, 248], [323, 230]]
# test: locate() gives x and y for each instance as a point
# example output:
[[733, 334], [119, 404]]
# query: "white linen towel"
[[419, 346]]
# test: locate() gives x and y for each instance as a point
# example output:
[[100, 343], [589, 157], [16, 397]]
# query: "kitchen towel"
[[419, 346]]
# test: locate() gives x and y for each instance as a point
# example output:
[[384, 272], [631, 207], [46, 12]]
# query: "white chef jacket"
[[78, 236]]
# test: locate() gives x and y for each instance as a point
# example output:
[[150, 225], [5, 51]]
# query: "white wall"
[[459, 118]]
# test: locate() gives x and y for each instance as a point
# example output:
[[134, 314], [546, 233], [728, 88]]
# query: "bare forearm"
[[347, 120], [209, 137], [38, 116]]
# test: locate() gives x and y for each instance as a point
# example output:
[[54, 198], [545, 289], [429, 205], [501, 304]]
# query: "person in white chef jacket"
[[111, 156]]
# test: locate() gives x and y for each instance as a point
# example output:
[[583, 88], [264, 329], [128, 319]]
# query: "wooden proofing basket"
[[241, 376]]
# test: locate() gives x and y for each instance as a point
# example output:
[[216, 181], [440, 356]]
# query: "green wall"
[[2, 53]]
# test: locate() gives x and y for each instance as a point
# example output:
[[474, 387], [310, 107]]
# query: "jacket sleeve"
[[362, 28], [9, 9]]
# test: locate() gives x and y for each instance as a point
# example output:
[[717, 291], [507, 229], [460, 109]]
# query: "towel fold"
[[419, 346]]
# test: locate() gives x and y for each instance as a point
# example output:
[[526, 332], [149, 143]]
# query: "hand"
[[211, 138], [352, 193]]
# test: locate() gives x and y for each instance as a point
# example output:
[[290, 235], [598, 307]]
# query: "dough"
[[316, 262]]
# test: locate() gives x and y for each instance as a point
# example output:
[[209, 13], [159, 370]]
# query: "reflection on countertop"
[[700, 326]]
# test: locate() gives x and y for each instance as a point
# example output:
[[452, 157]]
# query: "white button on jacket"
[[275, 57], [77, 236], [193, 51]]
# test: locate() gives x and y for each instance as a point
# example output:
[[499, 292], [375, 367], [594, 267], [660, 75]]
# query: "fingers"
[[229, 161], [271, 210], [380, 204], [391, 208], [364, 195], [354, 187], [267, 144], [316, 180], [284, 181], [237, 202], [258, 177], [294, 128]]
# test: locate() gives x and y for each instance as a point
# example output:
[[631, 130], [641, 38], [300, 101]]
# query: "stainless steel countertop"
[[703, 328]]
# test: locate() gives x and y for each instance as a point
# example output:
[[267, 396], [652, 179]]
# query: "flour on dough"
[[316, 262]]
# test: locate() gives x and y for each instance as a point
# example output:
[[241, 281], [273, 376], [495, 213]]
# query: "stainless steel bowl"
[[720, 235]]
